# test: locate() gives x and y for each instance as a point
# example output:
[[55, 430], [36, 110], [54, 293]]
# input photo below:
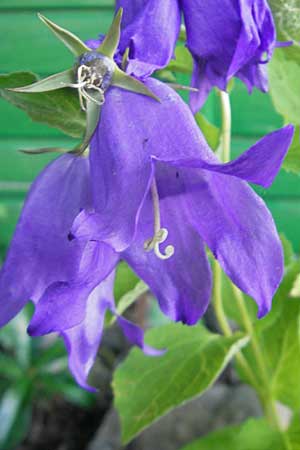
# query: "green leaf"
[[289, 256], [284, 79], [72, 42], [293, 433], [287, 18], [125, 281], [291, 162], [279, 341], [111, 41], [252, 435], [58, 81], [14, 415], [146, 388], [210, 131], [130, 297], [183, 62], [9, 367], [59, 109]]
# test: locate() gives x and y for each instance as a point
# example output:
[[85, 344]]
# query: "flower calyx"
[[94, 72]]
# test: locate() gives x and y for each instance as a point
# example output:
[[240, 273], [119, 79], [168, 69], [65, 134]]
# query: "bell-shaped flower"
[[227, 38], [156, 182]]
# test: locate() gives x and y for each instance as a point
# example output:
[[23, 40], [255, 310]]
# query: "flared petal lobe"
[[228, 38], [238, 228], [40, 252], [63, 304], [150, 30], [83, 340]]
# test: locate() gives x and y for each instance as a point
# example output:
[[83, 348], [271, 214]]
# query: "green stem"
[[224, 325], [262, 384]]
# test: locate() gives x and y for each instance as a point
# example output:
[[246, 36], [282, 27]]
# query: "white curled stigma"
[[88, 79], [160, 234]]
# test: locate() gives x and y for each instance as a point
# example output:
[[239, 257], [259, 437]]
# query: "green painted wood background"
[[26, 44]]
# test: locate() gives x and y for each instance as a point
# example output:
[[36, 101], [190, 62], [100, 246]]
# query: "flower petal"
[[259, 164], [40, 252], [135, 335], [182, 284], [83, 340], [63, 304], [150, 31], [237, 226]]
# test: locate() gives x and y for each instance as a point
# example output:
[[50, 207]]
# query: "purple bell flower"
[[226, 38], [156, 170]]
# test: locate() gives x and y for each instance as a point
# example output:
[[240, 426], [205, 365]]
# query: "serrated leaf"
[[147, 388], [72, 42], [210, 131], [255, 434], [59, 109]]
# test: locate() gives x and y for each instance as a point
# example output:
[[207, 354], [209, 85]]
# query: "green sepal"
[[42, 151], [110, 44], [72, 42], [124, 81], [58, 81], [92, 118]]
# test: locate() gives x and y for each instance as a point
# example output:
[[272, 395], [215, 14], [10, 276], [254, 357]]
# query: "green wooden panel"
[[27, 44], [15, 123], [42, 4], [252, 115], [17, 166], [286, 213]]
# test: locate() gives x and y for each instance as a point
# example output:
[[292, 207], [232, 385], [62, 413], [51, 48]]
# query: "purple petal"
[[182, 284], [83, 341], [135, 335], [63, 304], [259, 164], [228, 39], [150, 31], [237, 226], [40, 252]]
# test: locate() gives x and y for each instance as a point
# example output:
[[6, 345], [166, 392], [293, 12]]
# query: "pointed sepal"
[[110, 44], [57, 81], [93, 110], [72, 42], [124, 81]]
